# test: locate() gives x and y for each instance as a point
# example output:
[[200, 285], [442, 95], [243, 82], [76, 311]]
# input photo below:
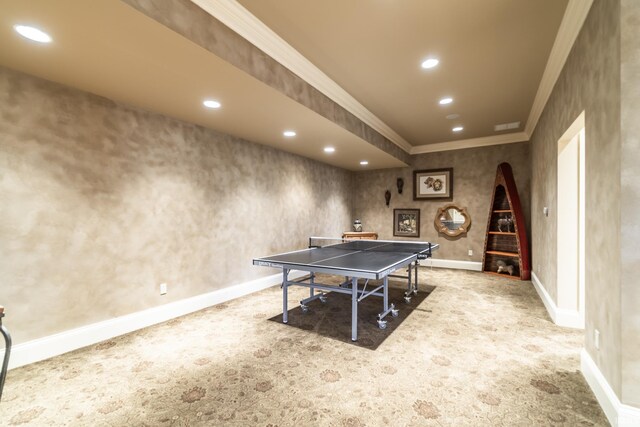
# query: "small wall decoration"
[[406, 222], [400, 184], [387, 197], [452, 220], [431, 184]]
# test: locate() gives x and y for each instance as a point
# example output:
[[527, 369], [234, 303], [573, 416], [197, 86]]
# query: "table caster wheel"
[[415, 292], [304, 308], [323, 299], [382, 324], [395, 313], [407, 299]]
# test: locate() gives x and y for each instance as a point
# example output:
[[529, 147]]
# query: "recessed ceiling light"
[[329, 149], [445, 101], [210, 103], [430, 63], [364, 163], [33, 33], [457, 129], [453, 116], [289, 133]]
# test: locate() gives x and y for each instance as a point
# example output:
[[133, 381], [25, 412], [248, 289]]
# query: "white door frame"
[[570, 263]]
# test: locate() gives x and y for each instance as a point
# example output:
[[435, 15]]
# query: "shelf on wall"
[[506, 241], [505, 275], [515, 254]]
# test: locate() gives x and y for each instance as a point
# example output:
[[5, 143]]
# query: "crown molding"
[[236, 17], [484, 141], [572, 21]]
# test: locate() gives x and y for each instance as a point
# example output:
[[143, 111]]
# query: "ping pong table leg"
[[407, 295], [354, 309], [285, 286], [412, 288], [385, 292], [382, 324]]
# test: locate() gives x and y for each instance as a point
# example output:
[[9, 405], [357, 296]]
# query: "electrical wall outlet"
[[163, 288], [596, 339], [545, 211], [470, 252]]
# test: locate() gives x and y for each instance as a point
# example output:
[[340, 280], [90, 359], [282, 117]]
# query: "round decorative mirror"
[[452, 220]]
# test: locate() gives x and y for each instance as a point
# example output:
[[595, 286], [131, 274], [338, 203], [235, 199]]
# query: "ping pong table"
[[354, 260]]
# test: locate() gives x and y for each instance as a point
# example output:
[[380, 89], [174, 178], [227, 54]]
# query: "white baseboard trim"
[[559, 316], [618, 414], [450, 263], [63, 342]]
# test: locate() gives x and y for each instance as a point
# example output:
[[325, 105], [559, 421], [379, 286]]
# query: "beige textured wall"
[[630, 201], [102, 203], [590, 82], [474, 173]]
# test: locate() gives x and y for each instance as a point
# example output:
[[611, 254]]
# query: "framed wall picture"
[[432, 184], [406, 222]]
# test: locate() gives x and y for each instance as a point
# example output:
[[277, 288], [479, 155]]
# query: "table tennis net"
[[369, 245]]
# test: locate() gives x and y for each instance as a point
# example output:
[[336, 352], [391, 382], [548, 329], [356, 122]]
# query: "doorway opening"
[[571, 224]]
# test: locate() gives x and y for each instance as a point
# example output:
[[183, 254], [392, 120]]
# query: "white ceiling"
[[493, 55]]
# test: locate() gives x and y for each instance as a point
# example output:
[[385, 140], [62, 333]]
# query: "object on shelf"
[[503, 266], [506, 247], [505, 224], [361, 235], [387, 197], [357, 225]]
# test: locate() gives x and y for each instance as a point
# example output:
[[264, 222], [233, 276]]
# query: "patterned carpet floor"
[[470, 350]]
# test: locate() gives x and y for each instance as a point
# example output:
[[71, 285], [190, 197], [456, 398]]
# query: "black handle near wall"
[[7, 351]]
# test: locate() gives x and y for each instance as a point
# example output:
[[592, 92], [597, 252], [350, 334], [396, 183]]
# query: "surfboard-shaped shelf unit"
[[506, 248]]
